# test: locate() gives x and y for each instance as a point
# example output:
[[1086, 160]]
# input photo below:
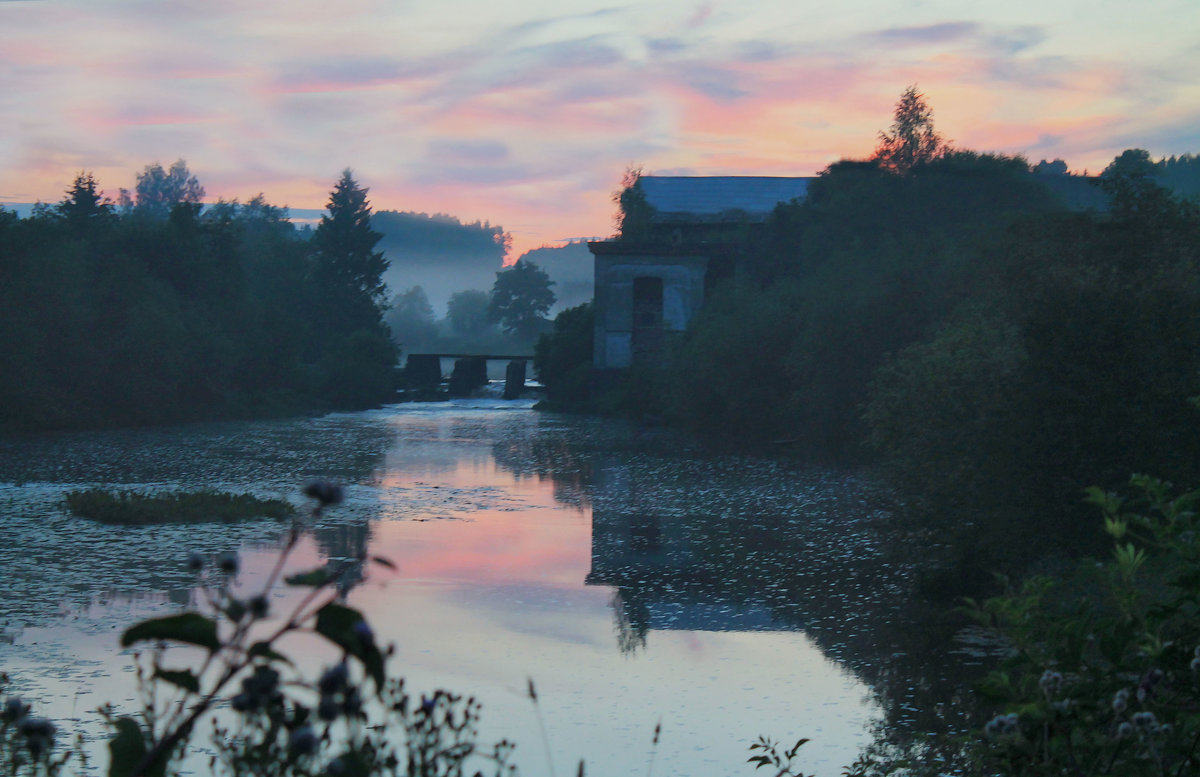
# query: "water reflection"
[[634, 576], [692, 541]]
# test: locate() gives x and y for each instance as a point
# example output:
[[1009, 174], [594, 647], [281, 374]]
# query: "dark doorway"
[[647, 316]]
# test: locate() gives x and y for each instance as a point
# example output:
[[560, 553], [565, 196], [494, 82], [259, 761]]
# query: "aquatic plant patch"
[[132, 508]]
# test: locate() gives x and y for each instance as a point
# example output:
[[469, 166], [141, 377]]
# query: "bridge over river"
[[423, 372]]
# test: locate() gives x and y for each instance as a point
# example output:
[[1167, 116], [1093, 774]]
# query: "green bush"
[[562, 359], [1104, 671]]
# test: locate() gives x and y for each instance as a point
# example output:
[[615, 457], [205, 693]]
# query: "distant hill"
[[439, 253], [571, 269]]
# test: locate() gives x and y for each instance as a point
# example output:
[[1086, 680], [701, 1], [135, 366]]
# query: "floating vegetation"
[[132, 508]]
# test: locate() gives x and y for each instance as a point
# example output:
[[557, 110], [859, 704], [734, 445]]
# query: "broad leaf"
[[190, 627], [314, 578], [181, 678], [264, 650], [126, 748], [340, 625]]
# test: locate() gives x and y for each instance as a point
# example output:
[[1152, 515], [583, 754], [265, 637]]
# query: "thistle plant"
[[27, 741]]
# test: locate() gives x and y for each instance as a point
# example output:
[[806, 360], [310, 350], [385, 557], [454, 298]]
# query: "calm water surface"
[[633, 576]]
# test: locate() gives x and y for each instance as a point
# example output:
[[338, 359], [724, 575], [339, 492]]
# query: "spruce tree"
[[346, 258]]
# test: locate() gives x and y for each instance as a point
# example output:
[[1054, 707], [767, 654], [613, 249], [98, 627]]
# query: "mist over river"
[[635, 576]]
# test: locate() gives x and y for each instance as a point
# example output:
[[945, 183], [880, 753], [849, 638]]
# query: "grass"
[[130, 508]]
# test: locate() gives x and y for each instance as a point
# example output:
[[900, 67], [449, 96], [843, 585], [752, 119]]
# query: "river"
[[637, 578]]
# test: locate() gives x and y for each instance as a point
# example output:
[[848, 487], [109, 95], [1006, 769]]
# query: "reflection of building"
[[663, 583], [648, 288], [669, 571]]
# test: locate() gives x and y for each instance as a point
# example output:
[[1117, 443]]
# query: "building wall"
[[683, 294]]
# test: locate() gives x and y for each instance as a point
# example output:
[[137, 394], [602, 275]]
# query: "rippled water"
[[635, 577]]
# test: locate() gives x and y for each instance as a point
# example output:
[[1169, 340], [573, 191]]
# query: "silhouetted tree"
[[411, 318], [1132, 184], [357, 353], [911, 139], [85, 205], [346, 256], [521, 297], [634, 213], [158, 191], [1057, 167], [468, 312]]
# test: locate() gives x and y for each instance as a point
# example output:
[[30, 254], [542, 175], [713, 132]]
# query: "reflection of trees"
[[345, 546], [716, 545], [631, 619], [554, 452]]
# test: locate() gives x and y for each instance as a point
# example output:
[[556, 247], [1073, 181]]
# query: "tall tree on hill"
[[911, 140], [158, 191], [357, 357], [85, 205], [346, 256]]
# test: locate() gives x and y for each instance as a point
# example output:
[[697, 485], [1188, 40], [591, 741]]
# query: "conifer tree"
[[911, 140], [346, 257]]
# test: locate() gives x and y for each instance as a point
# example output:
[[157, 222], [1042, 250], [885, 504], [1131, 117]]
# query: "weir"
[[424, 371]]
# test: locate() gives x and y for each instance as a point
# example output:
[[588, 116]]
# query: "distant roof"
[[717, 197]]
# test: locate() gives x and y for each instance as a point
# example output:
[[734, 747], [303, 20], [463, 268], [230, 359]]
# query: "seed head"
[[328, 709], [326, 492], [1002, 725], [1051, 683], [39, 728], [14, 708], [334, 679], [303, 741], [1145, 721], [195, 561], [259, 606], [228, 562]]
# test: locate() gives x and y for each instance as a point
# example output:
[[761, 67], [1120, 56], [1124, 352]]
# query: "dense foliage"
[[142, 317], [521, 298], [563, 358], [1102, 678], [994, 349]]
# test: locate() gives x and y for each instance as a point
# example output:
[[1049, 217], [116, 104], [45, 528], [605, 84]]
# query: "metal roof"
[[719, 196]]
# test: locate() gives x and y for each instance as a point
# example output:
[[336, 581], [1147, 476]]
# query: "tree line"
[[507, 319], [155, 309]]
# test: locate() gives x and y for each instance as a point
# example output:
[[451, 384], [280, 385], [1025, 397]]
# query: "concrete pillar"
[[470, 373], [423, 371], [514, 379]]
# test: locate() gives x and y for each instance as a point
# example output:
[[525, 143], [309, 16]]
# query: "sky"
[[526, 113]]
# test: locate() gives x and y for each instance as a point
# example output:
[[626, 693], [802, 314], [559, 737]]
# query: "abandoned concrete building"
[[647, 289]]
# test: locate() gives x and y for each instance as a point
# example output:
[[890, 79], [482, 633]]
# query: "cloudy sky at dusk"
[[526, 112]]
